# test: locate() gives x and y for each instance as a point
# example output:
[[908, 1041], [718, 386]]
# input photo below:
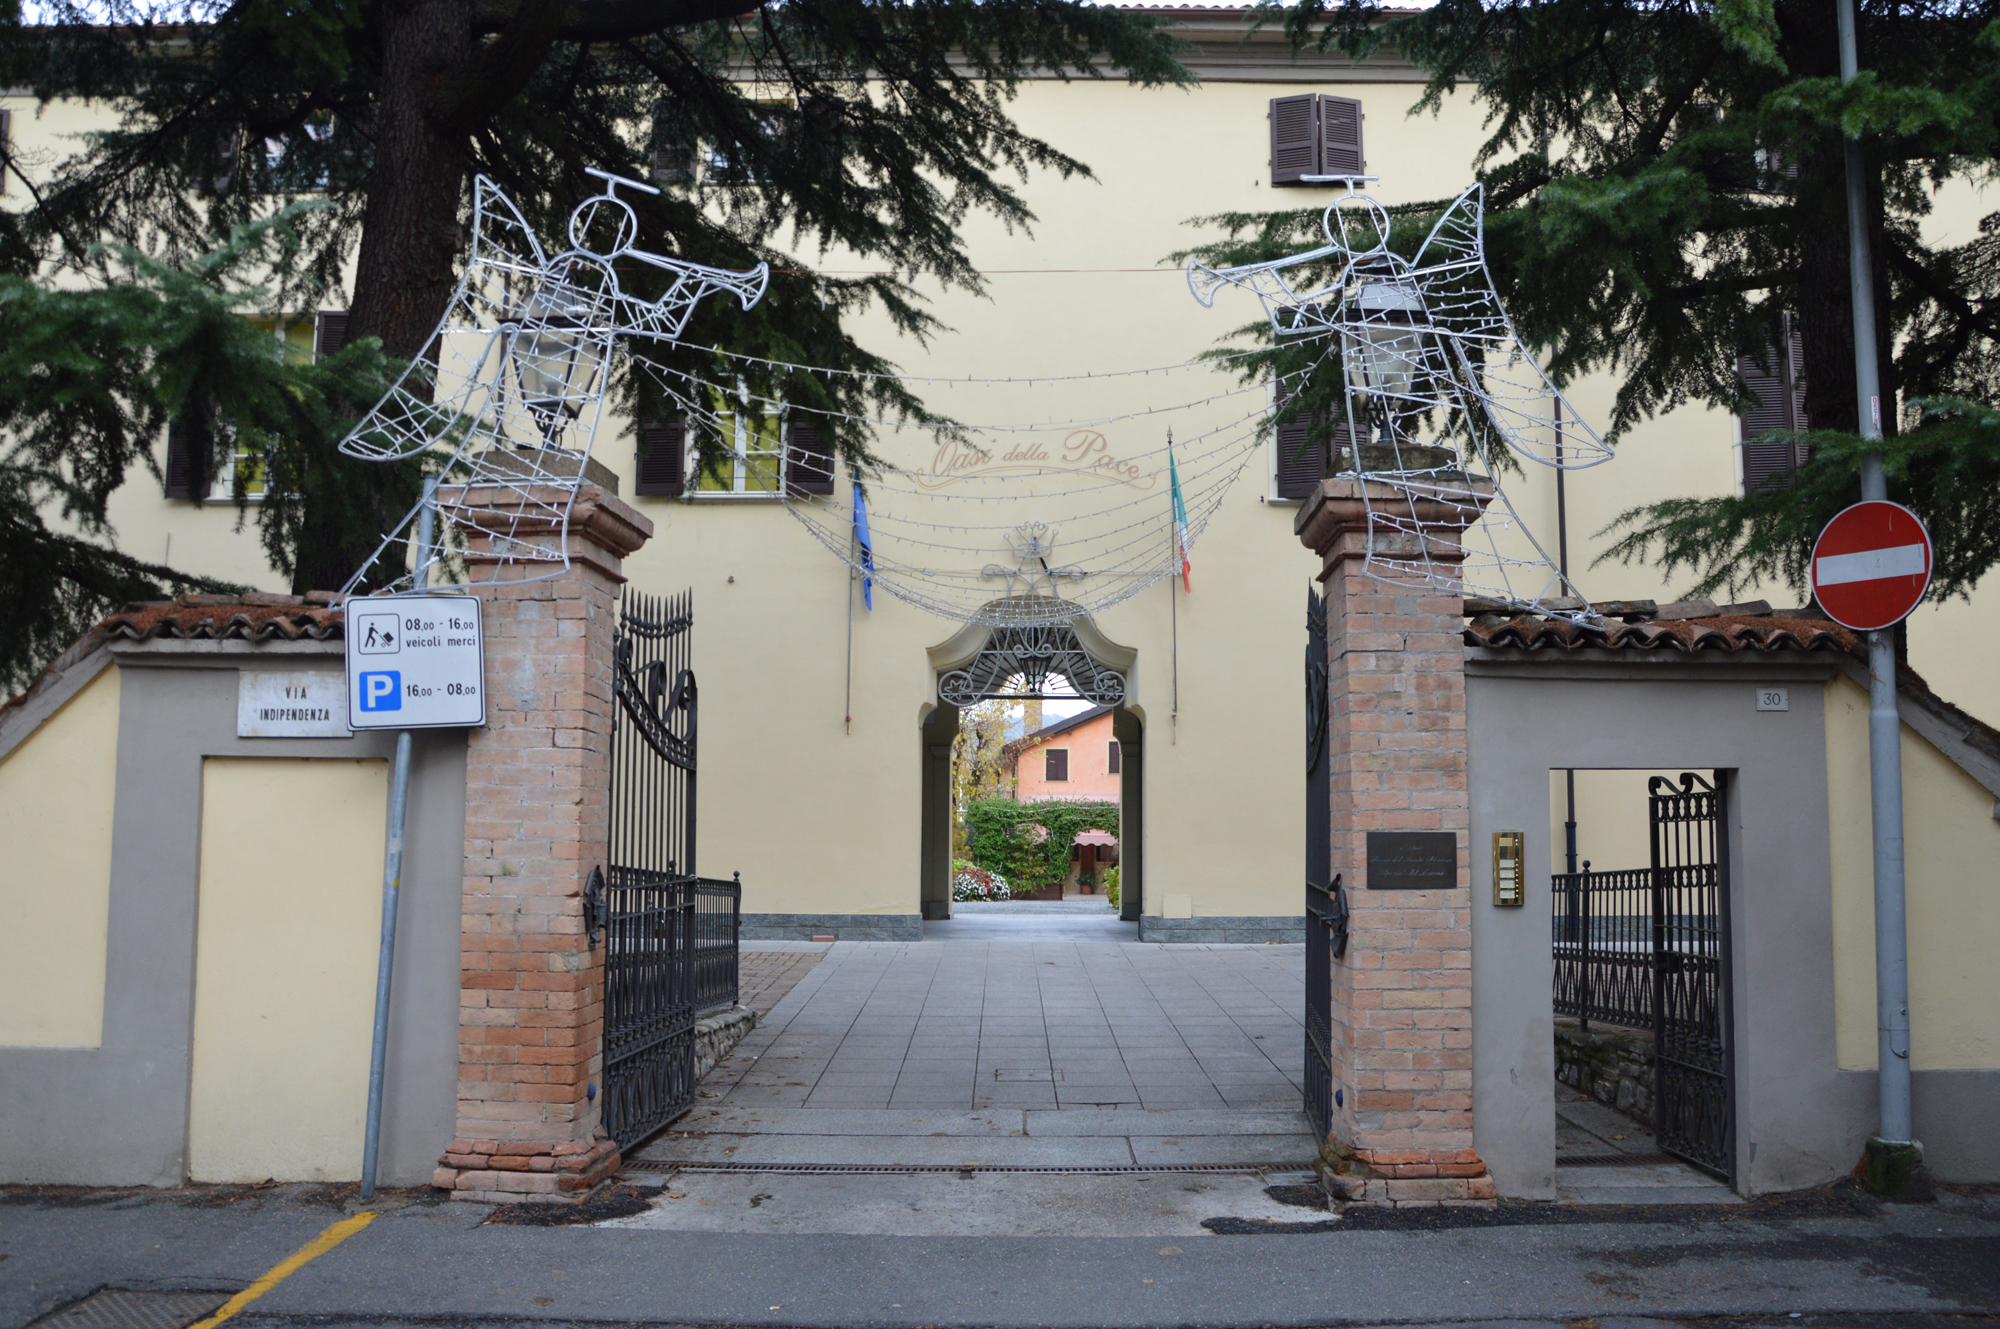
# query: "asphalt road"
[[1825, 1259]]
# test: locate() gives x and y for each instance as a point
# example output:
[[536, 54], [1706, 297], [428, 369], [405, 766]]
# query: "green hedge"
[[1000, 838]]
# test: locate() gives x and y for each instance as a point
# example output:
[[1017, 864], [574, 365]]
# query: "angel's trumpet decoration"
[[517, 371]]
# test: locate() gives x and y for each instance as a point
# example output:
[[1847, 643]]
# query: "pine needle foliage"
[[1665, 180], [92, 371], [873, 130]]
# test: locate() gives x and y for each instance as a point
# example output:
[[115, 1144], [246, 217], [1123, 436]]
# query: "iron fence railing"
[[1603, 935], [718, 922]]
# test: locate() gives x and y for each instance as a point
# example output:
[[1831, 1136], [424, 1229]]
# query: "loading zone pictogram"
[[437, 649]]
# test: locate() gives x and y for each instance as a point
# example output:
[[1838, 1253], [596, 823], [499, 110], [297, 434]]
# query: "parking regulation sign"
[[415, 662], [1872, 565]]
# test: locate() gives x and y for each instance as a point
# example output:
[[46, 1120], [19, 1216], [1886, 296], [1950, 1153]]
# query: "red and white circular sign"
[[1871, 565]]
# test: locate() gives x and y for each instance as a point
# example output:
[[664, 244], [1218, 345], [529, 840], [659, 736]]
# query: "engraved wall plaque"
[[291, 703], [1412, 860]]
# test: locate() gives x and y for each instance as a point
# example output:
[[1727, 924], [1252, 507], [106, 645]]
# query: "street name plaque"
[[291, 703], [415, 662], [1412, 860]]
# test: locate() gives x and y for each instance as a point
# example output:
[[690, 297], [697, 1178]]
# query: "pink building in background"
[[1075, 758]]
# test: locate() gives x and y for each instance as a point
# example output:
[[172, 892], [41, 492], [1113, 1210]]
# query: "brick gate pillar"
[[531, 991], [1402, 995]]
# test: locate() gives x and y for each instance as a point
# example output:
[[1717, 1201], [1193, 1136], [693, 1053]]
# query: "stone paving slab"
[[886, 1151], [1096, 1040]]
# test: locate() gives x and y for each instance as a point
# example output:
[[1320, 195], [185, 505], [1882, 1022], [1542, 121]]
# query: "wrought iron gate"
[[1649, 948], [1326, 920], [648, 900], [1694, 1080]]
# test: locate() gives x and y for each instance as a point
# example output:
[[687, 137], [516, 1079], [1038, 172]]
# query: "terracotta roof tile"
[[217, 618], [1694, 634]]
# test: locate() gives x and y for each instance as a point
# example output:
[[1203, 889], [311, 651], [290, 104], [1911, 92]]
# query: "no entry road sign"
[[1871, 565], [415, 662]]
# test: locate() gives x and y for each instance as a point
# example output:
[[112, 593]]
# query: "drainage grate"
[[1616, 1160], [115, 1308], [946, 1170]]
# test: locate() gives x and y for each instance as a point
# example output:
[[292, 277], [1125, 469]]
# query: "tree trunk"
[[405, 269]]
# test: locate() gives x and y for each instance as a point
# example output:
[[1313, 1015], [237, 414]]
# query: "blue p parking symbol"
[[382, 691]]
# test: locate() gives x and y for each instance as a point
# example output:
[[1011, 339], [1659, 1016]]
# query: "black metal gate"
[[1326, 913], [1649, 948], [647, 900], [1694, 1079]]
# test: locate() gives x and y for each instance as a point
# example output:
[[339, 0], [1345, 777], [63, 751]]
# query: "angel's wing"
[[505, 263], [1496, 370]]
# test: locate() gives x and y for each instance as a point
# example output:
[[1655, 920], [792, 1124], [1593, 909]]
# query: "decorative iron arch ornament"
[[1437, 383], [513, 391], [1032, 653]]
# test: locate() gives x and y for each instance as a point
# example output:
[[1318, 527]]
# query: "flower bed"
[[971, 883]]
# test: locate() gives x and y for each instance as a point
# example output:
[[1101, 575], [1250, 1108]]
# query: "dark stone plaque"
[[1412, 860]]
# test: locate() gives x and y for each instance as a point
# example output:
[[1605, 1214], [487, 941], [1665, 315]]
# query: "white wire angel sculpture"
[[519, 363], [1436, 382]]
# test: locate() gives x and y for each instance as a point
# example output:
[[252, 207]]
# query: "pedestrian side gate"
[[669, 936], [1649, 948]]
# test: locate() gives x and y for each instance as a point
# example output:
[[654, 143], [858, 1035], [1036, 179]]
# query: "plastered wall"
[[1951, 847], [57, 793]]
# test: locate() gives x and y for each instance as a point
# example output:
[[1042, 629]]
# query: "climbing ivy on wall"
[[1001, 836]]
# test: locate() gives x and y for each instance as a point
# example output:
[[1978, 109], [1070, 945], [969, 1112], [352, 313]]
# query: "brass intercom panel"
[[1508, 879]]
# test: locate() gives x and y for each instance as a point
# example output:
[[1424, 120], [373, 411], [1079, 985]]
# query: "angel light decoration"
[[516, 378], [1436, 383]]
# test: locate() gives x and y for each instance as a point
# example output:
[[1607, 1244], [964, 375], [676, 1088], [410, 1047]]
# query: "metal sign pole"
[[1895, 1160], [392, 883]]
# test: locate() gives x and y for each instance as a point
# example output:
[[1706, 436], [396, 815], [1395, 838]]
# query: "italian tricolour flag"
[[1181, 539]]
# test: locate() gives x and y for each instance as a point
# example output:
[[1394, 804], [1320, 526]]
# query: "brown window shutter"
[[1057, 768], [1301, 464], [329, 333], [1111, 758], [808, 460], [1781, 393], [182, 472], [1294, 140], [662, 458], [1340, 137]]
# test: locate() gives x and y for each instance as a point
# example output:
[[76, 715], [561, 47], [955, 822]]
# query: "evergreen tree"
[[90, 374], [863, 127], [1665, 180]]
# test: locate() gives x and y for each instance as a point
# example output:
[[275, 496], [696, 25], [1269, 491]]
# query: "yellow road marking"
[[288, 1266]]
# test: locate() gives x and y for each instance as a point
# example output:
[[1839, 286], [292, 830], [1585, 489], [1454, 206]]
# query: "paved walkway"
[[959, 1050]]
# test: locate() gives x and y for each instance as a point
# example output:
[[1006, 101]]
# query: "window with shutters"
[[661, 465], [722, 168], [1111, 758], [1055, 768], [808, 457], [1300, 461], [1314, 133], [1776, 379], [675, 155], [303, 339], [752, 433]]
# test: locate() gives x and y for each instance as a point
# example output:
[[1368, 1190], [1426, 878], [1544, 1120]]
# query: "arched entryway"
[[1032, 657]]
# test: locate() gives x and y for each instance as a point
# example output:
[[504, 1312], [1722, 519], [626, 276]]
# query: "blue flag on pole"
[[865, 543]]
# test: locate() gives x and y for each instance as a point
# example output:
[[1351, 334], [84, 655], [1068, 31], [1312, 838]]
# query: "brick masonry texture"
[[1402, 994], [531, 1014]]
